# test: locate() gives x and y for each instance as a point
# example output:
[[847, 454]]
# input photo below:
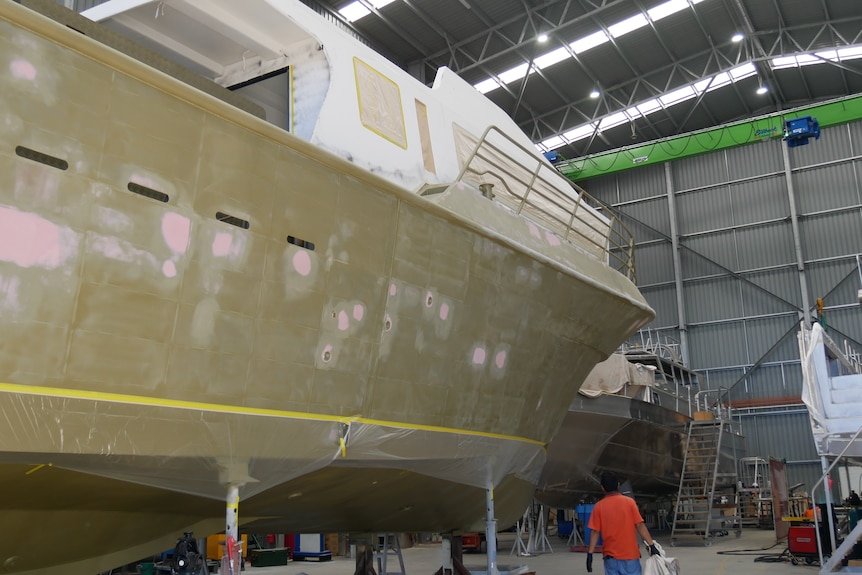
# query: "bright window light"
[[666, 9], [719, 81], [743, 71], [587, 42], [580, 132], [515, 73], [354, 11], [837, 55], [628, 25], [702, 85], [554, 142], [713, 83], [806, 59], [551, 58], [612, 121], [676, 96], [649, 106], [784, 62], [850, 53], [486, 86]]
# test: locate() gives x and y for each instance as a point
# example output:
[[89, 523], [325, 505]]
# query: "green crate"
[[269, 557]]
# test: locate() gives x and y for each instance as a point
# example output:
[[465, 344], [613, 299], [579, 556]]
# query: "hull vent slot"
[[301, 243], [148, 192], [52, 161], [232, 220]]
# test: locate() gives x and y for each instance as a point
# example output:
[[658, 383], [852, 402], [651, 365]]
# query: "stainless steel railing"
[[507, 172]]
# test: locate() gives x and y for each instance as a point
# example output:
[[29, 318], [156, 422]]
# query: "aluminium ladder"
[[703, 486]]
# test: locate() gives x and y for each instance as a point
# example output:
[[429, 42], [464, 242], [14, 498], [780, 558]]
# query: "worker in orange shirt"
[[618, 520], [811, 513]]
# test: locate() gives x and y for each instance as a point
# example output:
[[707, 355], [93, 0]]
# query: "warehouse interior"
[[673, 115]]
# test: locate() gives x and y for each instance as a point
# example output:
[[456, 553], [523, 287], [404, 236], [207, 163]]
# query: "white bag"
[[661, 564]]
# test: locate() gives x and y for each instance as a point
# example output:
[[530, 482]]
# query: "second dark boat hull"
[[640, 442]]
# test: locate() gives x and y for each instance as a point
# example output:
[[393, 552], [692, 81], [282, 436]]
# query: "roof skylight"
[[585, 43], [664, 10], [628, 25], [486, 86], [551, 58], [516, 73], [680, 95], [647, 107], [822, 57], [581, 45], [743, 71], [355, 10]]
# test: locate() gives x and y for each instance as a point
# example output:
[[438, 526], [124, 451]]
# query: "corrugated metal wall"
[[743, 293]]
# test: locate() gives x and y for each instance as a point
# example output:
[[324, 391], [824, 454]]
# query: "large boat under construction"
[[630, 418], [345, 299]]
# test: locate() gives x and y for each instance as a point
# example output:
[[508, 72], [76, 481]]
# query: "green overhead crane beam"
[[741, 133]]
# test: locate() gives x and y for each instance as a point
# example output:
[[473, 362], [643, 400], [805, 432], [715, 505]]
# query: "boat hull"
[[640, 442], [123, 520], [194, 299]]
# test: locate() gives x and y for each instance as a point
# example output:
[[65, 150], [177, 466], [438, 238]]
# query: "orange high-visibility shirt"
[[615, 516]]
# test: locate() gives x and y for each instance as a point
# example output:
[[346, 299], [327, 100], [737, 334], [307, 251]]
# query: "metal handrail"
[[541, 198], [719, 409], [828, 497]]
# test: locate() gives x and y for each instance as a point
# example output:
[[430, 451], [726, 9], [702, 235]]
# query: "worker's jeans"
[[622, 566]]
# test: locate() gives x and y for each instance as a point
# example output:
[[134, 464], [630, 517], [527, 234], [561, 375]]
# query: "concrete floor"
[[727, 555]]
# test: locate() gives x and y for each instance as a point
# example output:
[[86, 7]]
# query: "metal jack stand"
[[541, 544], [388, 544], [519, 548], [525, 527], [575, 536]]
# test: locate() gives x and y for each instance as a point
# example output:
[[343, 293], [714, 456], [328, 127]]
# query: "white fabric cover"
[[611, 375], [661, 564]]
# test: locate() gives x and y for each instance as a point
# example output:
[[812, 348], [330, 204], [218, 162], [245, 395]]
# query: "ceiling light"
[[595, 94], [542, 38], [762, 90], [738, 37]]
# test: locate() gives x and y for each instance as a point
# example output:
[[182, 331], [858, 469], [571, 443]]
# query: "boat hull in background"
[[640, 442]]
